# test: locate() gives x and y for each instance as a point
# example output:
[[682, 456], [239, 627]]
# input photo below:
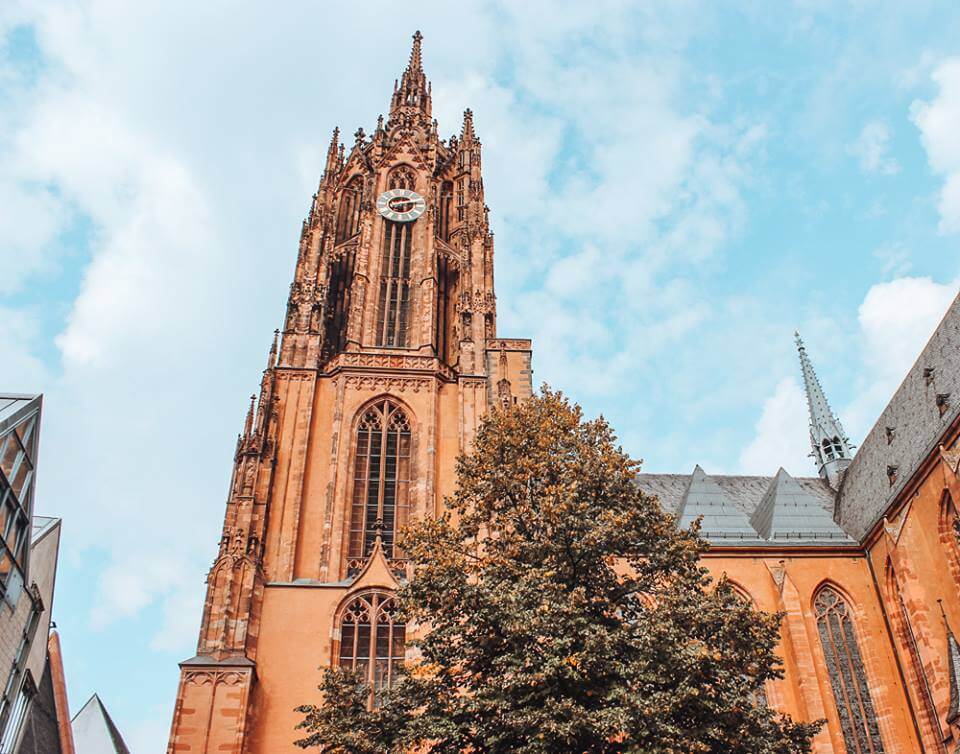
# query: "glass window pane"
[[9, 453]]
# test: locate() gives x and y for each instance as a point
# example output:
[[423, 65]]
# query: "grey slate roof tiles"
[[917, 427], [791, 511], [722, 520], [94, 731]]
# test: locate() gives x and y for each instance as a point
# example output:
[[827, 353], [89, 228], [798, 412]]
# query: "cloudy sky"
[[674, 190]]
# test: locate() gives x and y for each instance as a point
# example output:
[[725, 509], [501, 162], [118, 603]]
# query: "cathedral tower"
[[386, 363]]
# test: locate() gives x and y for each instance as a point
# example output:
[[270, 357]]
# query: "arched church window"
[[381, 480], [949, 531], [919, 683], [443, 210], [402, 177], [832, 448], [348, 215], [848, 677], [339, 287], [372, 641], [394, 305]]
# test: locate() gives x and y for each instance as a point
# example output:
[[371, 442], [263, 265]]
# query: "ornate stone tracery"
[[848, 677]]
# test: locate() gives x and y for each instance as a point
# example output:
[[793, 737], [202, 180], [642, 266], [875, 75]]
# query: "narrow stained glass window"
[[381, 479], [372, 641], [848, 677], [394, 284]]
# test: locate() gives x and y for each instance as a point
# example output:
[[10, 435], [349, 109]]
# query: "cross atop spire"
[[411, 95], [831, 448]]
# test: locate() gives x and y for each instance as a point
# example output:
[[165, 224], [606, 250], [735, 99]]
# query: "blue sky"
[[674, 187]]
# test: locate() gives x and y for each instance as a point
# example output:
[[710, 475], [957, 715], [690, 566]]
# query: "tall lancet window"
[[372, 641], [443, 211], [381, 480], [848, 677], [394, 305], [348, 215]]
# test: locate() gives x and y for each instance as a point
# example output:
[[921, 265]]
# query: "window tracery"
[[381, 483], [348, 216], [848, 677], [402, 177], [950, 533], [443, 211], [372, 641], [832, 448], [394, 284]]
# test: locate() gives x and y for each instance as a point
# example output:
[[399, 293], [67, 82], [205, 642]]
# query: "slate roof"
[[722, 520], [917, 426], [94, 731], [791, 511]]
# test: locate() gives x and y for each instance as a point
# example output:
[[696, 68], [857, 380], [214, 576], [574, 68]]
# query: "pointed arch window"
[[949, 530], [372, 641], [394, 284], [930, 731], [348, 215], [848, 677], [832, 448], [443, 211], [402, 177], [381, 480], [394, 304]]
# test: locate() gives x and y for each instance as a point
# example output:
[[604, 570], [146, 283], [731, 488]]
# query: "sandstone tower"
[[387, 361]]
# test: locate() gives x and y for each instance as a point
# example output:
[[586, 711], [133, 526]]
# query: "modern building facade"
[[29, 546], [389, 358]]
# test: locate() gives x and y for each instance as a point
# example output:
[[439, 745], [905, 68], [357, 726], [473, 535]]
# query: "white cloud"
[[896, 320], [939, 124], [780, 439], [872, 149], [191, 148]]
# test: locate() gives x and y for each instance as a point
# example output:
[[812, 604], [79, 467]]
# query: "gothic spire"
[[467, 134], [333, 154], [832, 450], [416, 60], [411, 95], [272, 356], [248, 424]]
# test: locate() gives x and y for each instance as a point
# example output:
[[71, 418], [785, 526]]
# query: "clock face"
[[401, 205]]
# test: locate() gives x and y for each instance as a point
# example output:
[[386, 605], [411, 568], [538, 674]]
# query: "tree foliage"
[[562, 611]]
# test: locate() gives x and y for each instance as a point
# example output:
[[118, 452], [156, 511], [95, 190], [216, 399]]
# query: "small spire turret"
[[831, 448], [411, 95], [416, 58], [248, 424], [333, 152], [272, 356], [467, 135]]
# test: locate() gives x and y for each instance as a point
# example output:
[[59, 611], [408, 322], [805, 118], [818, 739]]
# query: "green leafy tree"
[[561, 611]]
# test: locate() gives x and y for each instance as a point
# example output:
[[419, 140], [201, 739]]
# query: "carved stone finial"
[[416, 60], [272, 357], [248, 425]]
